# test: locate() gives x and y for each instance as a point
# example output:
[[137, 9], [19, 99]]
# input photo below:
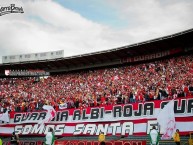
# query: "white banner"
[[166, 120], [4, 116]]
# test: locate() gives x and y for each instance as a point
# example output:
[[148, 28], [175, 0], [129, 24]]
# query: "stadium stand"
[[157, 80], [74, 83]]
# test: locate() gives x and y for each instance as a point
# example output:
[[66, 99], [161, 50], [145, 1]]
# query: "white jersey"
[[49, 138], [154, 137]]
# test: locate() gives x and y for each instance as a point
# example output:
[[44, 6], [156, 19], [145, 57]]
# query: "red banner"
[[25, 143], [78, 142], [119, 142]]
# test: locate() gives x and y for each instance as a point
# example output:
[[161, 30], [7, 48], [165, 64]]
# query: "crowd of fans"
[[158, 80]]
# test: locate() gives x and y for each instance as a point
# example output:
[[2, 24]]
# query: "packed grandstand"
[[167, 77], [132, 82], [157, 80]]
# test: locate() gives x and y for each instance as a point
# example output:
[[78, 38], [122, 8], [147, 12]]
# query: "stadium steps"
[[89, 138], [184, 139]]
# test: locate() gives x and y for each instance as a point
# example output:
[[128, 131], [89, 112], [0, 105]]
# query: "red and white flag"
[[63, 106], [4, 116], [166, 120], [50, 114], [114, 78]]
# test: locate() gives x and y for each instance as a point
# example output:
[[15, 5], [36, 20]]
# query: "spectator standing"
[[14, 139], [176, 137], [50, 137], [154, 136], [1, 142], [131, 97], [101, 138]]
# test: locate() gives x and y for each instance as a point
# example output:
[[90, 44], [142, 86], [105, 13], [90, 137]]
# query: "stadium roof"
[[108, 57]]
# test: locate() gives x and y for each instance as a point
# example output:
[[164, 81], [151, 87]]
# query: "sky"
[[86, 26]]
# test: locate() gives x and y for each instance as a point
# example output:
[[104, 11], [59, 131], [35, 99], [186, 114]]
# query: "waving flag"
[[50, 114], [63, 106], [166, 120], [4, 116]]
